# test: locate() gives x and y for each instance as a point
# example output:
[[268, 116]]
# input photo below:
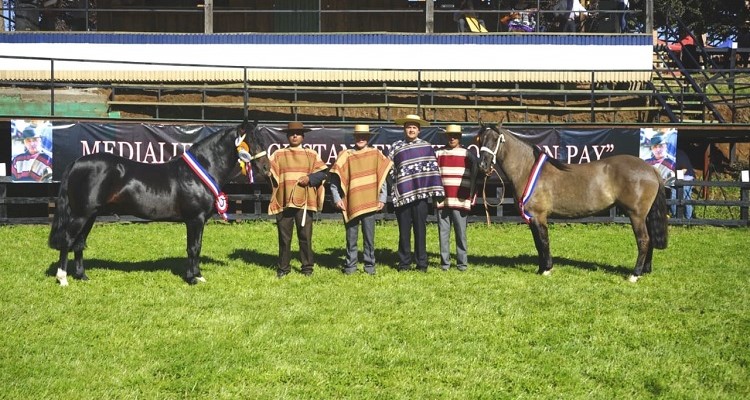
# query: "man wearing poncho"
[[296, 175], [416, 179], [358, 188], [458, 167]]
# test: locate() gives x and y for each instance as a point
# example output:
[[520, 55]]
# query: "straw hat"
[[296, 127], [362, 130], [413, 118], [453, 129]]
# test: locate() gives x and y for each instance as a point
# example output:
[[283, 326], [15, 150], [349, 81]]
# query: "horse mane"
[[535, 149], [551, 160]]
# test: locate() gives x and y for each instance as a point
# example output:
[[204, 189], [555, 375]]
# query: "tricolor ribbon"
[[536, 170], [221, 199]]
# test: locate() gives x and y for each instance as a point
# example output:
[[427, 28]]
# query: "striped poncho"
[[456, 169], [415, 173], [362, 174], [287, 166]]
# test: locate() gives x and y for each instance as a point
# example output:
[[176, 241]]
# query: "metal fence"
[[34, 203]]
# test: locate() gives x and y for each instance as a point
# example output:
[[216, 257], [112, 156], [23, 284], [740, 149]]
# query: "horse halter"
[[500, 139]]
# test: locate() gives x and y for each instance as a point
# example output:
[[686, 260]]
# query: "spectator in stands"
[[743, 42], [416, 179], [573, 13], [684, 167], [35, 163], [359, 190], [467, 19], [458, 169], [296, 175], [622, 5]]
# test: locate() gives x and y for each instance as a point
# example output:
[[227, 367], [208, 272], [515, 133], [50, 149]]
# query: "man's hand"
[[303, 181], [340, 205]]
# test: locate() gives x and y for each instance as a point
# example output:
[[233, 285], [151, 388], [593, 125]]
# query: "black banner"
[[158, 143]]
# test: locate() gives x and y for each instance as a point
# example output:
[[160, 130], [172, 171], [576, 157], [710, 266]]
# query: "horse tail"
[[58, 236], [656, 220]]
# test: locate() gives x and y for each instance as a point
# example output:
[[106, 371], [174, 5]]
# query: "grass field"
[[136, 330]]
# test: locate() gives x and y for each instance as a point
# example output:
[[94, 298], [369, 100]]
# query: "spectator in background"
[[35, 163], [296, 173], [359, 190], [622, 5], [685, 168], [573, 13], [416, 179], [743, 42], [458, 169]]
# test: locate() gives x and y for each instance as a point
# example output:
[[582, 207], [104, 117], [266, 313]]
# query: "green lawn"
[[136, 330]]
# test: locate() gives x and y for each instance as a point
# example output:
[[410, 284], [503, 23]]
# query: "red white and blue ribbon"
[[222, 205], [536, 170]]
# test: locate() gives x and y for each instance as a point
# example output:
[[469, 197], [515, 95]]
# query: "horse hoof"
[[62, 277], [547, 272], [633, 278], [82, 277]]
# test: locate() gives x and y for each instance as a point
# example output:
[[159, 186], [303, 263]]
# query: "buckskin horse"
[[184, 189], [544, 187]]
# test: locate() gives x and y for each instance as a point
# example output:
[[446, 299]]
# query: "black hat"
[[657, 140], [29, 132]]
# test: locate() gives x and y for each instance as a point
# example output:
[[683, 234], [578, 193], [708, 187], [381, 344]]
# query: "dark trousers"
[[285, 223], [412, 216]]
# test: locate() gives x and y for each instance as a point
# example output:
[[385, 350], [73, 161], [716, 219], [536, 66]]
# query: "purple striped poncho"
[[415, 172]]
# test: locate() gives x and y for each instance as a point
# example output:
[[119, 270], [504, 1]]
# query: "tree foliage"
[[719, 18]]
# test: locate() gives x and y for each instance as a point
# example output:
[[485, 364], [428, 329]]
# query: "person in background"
[[359, 190], [416, 179], [35, 163], [458, 169], [296, 174], [685, 168], [622, 5], [573, 15]]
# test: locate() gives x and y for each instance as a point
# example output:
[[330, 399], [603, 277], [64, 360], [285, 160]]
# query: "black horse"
[[546, 188], [184, 189]]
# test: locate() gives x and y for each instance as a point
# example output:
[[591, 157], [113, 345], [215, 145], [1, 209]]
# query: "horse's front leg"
[[194, 242], [541, 241]]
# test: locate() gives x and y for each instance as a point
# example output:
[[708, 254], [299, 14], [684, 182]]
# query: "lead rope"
[[291, 195], [487, 204]]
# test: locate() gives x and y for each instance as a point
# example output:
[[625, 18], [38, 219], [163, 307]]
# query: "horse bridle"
[[500, 140], [243, 154]]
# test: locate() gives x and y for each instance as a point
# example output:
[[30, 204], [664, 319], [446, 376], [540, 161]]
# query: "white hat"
[[413, 118], [362, 130], [453, 129]]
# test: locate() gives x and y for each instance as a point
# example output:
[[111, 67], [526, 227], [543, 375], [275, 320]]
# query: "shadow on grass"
[[265, 260], [524, 260], [175, 265]]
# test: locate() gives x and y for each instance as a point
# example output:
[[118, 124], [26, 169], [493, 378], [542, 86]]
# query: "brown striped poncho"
[[287, 166], [362, 174]]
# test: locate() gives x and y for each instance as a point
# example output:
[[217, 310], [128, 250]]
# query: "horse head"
[[489, 139], [250, 149]]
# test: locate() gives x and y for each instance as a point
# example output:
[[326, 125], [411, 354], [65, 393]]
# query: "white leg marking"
[[62, 277], [547, 273], [200, 279], [633, 278]]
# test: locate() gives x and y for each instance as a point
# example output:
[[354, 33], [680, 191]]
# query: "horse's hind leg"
[[541, 241], [645, 250], [62, 268], [78, 246]]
